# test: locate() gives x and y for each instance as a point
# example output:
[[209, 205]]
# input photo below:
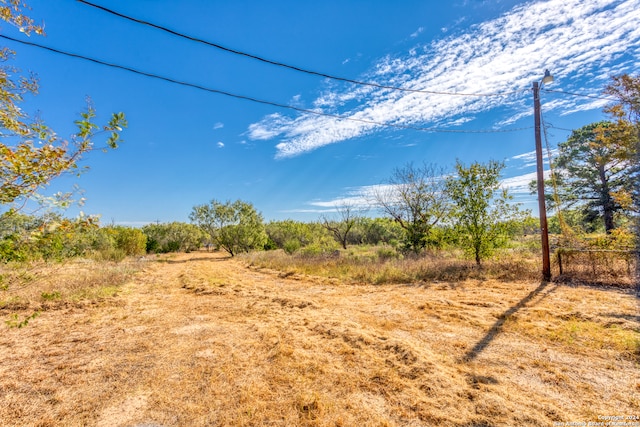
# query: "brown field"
[[202, 340]]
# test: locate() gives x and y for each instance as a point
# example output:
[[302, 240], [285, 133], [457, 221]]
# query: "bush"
[[113, 255], [12, 250], [386, 253], [130, 241], [173, 237], [291, 246]]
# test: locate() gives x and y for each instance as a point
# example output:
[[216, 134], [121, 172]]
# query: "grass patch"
[[43, 286], [382, 265], [202, 340]]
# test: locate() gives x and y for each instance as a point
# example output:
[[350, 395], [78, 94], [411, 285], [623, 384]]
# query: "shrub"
[[386, 253], [131, 241], [173, 237], [291, 246]]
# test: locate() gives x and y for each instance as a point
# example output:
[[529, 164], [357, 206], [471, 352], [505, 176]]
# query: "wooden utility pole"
[[544, 231]]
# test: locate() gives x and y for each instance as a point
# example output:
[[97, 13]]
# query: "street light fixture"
[[544, 231], [548, 78]]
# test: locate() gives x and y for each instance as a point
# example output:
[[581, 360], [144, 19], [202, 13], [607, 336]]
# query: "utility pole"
[[544, 231]]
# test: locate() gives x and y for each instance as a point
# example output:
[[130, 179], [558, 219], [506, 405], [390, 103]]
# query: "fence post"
[[559, 252]]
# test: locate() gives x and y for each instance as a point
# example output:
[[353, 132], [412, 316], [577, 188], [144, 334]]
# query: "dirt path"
[[200, 339]]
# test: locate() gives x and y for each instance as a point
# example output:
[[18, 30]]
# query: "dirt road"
[[200, 339]]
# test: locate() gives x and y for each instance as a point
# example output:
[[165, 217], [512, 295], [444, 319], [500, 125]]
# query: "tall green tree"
[[234, 226], [481, 213], [593, 171]]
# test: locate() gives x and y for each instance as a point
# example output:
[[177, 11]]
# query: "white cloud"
[[574, 38], [359, 198], [364, 197], [460, 121], [528, 159], [220, 144], [519, 185], [417, 32], [218, 125]]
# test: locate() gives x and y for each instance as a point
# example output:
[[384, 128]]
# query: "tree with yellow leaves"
[[31, 153]]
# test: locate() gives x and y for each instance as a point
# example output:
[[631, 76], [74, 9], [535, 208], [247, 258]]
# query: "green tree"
[[593, 171], [415, 200], [235, 227], [482, 215], [132, 241], [378, 230], [289, 235], [173, 237]]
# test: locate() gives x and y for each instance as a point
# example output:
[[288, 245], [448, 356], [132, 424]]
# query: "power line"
[[291, 67], [579, 94], [550, 126], [257, 100]]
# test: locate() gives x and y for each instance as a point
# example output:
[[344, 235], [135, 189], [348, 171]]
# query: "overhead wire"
[[550, 126], [583, 95], [565, 230], [256, 100], [291, 67]]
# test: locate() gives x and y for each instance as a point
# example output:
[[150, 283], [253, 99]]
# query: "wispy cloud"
[[528, 159], [358, 198], [218, 125], [220, 144], [519, 185], [577, 39], [417, 32], [364, 198]]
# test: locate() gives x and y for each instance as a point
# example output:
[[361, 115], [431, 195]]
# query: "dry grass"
[[201, 340], [44, 286], [374, 265], [605, 267]]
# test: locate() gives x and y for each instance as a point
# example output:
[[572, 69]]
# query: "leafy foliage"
[[292, 236], [15, 322], [597, 168], [131, 241], [173, 237], [12, 11], [51, 237], [31, 153], [235, 227], [593, 170], [626, 90], [482, 216], [415, 199]]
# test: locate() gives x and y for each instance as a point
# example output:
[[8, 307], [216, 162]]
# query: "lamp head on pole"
[[548, 78]]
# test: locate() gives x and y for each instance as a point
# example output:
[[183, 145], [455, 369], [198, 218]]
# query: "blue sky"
[[184, 146]]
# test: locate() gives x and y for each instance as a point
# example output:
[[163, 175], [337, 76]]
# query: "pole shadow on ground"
[[474, 352]]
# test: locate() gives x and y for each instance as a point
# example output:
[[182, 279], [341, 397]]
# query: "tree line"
[[594, 181]]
